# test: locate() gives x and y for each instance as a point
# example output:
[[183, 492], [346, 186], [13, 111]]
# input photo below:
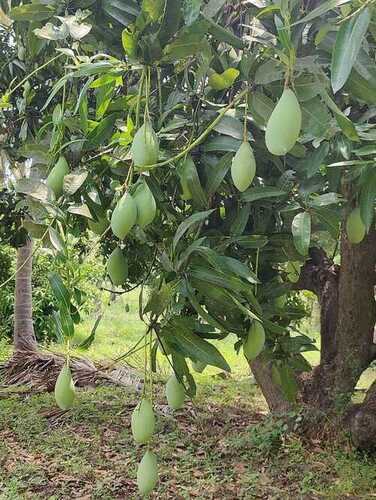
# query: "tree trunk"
[[273, 394], [24, 336], [348, 316]]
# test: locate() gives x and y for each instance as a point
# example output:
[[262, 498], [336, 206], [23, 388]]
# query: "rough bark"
[[357, 313], [273, 395], [24, 336]]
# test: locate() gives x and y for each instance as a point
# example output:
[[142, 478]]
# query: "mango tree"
[[215, 147]]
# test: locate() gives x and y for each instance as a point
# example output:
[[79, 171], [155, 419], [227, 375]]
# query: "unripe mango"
[[175, 393], [124, 216], [243, 167], [99, 226], [145, 146], [146, 206], [147, 473], [198, 366], [117, 267], [55, 179], [143, 422], [255, 341], [283, 128], [64, 388], [355, 227]]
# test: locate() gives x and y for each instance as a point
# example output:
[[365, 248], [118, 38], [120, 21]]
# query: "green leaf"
[[362, 89], [260, 193], [66, 322], [213, 7], [32, 12], [270, 71], [189, 224], [191, 11], [346, 125], [217, 173], [224, 35], [101, 133], [321, 10], [122, 11], [325, 199], [86, 343], [368, 197], [348, 42], [59, 290], [74, 180], [223, 80], [56, 240], [301, 232], [178, 333], [33, 188], [129, 40], [153, 8]]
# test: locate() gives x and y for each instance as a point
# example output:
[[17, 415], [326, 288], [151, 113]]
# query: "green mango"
[[147, 473], [146, 206], [198, 366], [99, 226], [143, 422], [64, 388], [255, 341], [117, 267], [355, 227], [145, 146], [124, 216], [243, 167], [175, 393], [285, 122], [55, 179]]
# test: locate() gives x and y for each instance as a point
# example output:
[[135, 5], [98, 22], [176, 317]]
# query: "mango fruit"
[[243, 167], [255, 341], [64, 388], [145, 146], [147, 473], [55, 179], [143, 422], [175, 393], [355, 227], [117, 267], [146, 206], [198, 366], [124, 216], [99, 226], [283, 127]]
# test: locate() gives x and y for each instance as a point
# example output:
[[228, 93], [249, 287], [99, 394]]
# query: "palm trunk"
[[24, 336]]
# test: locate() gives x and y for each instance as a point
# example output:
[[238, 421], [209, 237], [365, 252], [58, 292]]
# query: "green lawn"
[[221, 446]]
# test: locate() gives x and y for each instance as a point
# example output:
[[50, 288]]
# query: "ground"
[[222, 446]]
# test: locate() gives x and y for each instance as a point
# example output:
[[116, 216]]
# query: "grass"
[[222, 446]]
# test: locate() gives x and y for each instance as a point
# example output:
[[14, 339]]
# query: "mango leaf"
[[59, 290], [178, 333], [86, 343], [32, 12], [34, 188], [368, 197], [122, 11], [325, 199], [224, 35], [348, 42], [320, 10], [129, 40], [153, 8], [4, 19], [345, 124], [260, 193], [217, 173], [191, 11], [213, 7], [362, 89], [170, 22], [56, 240], [183, 374], [101, 133], [301, 232], [66, 322], [223, 80], [74, 180], [188, 224]]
